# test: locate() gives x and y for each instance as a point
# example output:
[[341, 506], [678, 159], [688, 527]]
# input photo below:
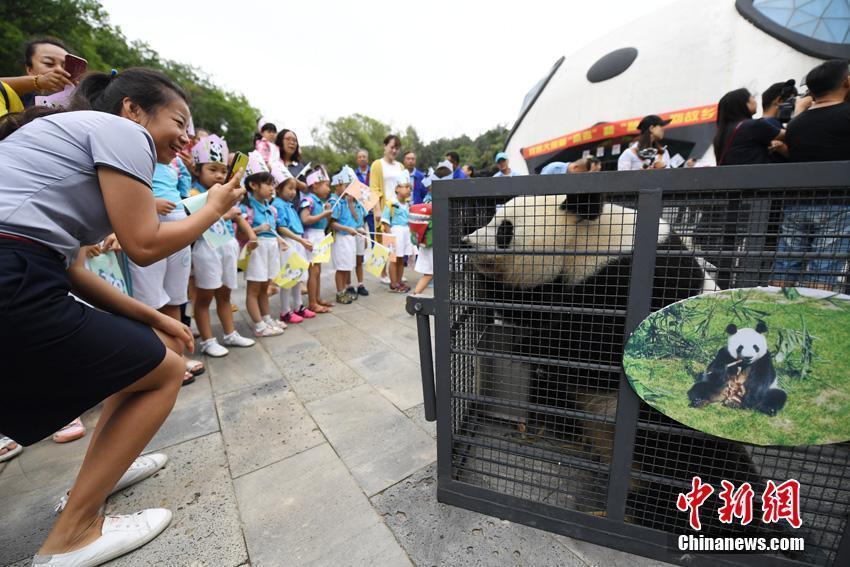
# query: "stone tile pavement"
[[308, 449]]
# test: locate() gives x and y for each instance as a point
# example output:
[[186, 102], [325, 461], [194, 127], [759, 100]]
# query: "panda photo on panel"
[[741, 375]]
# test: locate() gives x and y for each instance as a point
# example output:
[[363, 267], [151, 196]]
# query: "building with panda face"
[[676, 63]]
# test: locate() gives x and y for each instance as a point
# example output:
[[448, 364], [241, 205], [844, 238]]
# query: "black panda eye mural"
[[504, 235], [612, 64]]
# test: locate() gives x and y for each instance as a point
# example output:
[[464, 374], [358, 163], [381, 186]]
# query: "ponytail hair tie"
[[112, 74]]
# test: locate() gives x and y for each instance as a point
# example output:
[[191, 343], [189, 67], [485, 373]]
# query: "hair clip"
[[112, 73]]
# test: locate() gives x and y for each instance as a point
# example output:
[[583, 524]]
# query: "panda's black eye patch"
[[755, 348], [504, 235]]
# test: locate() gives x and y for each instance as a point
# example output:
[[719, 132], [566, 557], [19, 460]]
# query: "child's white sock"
[[261, 326], [267, 319]]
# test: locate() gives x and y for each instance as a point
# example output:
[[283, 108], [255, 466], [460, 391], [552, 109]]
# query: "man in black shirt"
[[820, 132]]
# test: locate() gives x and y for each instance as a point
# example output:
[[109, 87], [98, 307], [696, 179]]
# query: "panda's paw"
[[698, 403], [770, 412]]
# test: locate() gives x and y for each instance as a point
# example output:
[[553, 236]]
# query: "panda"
[[553, 271], [741, 375], [560, 266]]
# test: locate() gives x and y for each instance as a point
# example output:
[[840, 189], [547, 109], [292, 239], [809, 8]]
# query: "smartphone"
[[240, 161], [75, 66]]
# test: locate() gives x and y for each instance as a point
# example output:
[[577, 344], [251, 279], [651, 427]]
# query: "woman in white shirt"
[[651, 133]]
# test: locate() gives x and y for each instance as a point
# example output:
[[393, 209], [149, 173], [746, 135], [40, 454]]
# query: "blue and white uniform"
[[315, 232], [397, 221], [344, 247], [264, 262], [288, 217], [165, 282], [215, 267]]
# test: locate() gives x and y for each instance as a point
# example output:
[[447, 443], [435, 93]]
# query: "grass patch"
[[808, 337]]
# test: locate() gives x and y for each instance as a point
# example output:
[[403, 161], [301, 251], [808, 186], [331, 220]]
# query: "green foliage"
[[337, 142], [84, 27]]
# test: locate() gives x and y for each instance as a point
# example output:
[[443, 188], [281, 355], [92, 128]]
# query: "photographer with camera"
[[740, 139], [821, 129], [647, 152], [777, 103]]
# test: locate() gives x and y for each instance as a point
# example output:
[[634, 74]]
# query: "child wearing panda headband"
[[215, 267], [395, 220]]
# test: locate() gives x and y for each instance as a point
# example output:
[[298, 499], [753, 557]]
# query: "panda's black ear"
[[761, 327], [731, 329], [586, 206]]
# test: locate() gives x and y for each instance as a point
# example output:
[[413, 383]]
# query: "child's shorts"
[[215, 267], [403, 246], [360, 245], [165, 282], [264, 263], [344, 252], [314, 235], [294, 248], [425, 261]]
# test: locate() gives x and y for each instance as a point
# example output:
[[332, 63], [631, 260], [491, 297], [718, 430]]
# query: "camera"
[[787, 100], [648, 156]]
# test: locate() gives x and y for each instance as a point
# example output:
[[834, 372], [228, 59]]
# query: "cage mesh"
[[535, 357]]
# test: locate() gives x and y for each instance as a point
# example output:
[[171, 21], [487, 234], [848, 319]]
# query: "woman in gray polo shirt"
[[68, 179]]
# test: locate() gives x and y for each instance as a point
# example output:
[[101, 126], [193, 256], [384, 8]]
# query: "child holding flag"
[[264, 261], [315, 212], [395, 221], [214, 254], [291, 229], [347, 231]]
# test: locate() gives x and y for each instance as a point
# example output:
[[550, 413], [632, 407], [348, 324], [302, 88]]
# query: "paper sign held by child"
[[376, 259], [388, 240], [362, 193], [292, 272], [322, 252], [106, 266], [216, 235]]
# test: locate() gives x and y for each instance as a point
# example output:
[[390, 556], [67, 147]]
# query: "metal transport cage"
[[536, 422]]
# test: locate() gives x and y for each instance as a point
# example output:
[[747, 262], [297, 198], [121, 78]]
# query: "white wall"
[[689, 54]]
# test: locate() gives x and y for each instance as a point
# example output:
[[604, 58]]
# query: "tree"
[[337, 142], [84, 26]]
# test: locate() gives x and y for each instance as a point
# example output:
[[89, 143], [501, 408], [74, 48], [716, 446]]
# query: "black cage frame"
[[648, 189]]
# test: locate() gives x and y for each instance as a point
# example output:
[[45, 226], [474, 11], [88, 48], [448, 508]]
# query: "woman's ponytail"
[[105, 92]]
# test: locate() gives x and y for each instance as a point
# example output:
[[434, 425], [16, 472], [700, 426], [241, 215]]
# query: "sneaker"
[[291, 318], [385, 280], [272, 323], [267, 331], [403, 288], [343, 298], [305, 313], [210, 347], [237, 340], [352, 293], [143, 467], [119, 535], [403, 279], [361, 290]]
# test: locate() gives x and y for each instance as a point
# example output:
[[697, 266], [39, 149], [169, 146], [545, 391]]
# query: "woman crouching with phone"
[[68, 179]]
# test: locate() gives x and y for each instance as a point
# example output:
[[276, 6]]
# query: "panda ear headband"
[[586, 206]]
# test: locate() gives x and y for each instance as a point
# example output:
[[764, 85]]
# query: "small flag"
[[389, 241], [362, 193], [322, 252], [292, 271], [107, 267], [377, 259]]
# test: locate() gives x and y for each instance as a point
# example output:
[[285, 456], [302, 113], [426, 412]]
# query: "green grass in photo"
[[809, 339]]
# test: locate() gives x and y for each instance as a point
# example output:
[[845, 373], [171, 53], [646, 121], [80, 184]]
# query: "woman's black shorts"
[[58, 356]]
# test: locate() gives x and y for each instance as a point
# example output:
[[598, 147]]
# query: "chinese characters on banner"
[[685, 117], [779, 502]]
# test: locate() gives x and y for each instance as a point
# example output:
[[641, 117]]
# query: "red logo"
[[782, 502], [693, 500], [779, 502]]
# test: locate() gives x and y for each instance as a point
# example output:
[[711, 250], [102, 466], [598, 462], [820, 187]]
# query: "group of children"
[[275, 220]]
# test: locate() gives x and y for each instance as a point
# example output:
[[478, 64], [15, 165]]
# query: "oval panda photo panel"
[[763, 365]]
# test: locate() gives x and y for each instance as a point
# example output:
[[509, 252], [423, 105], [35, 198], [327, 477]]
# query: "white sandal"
[[10, 453]]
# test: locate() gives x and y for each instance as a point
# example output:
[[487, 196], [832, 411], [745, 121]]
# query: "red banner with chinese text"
[[606, 130]]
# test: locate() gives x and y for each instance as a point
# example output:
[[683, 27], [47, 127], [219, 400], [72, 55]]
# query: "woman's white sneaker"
[[210, 347], [119, 535], [237, 340]]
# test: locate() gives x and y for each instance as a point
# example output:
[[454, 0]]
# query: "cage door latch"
[[423, 308]]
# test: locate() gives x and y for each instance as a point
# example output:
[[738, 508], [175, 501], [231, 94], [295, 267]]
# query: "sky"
[[445, 67]]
